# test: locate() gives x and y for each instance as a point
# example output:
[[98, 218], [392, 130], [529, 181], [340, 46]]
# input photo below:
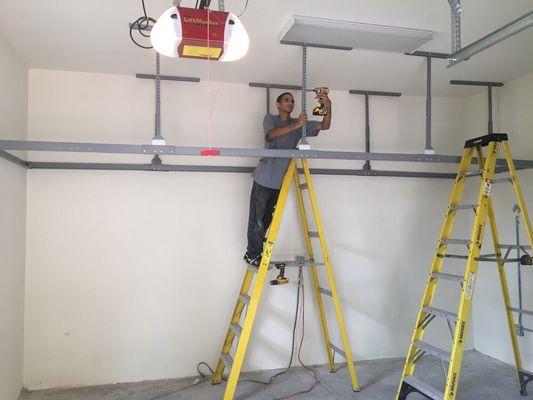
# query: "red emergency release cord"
[[209, 151]]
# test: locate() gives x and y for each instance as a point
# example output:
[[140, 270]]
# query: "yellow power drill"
[[321, 109], [281, 279]]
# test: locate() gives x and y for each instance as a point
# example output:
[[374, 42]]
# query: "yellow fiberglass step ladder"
[[483, 208], [245, 310]]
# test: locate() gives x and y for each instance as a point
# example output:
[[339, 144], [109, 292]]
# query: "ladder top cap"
[[485, 140]]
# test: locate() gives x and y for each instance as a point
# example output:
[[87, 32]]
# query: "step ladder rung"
[[325, 291], [514, 246], [313, 234], [255, 270], [448, 277], [227, 360], [456, 207], [304, 186], [497, 260], [244, 298], [440, 313], [521, 311], [484, 258], [337, 350], [430, 349], [459, 256], [424, 388], [466, 242], [236, 328], [468, 174], [501, 180]]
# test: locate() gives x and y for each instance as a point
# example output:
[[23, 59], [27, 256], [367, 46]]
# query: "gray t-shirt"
[[271, 170]]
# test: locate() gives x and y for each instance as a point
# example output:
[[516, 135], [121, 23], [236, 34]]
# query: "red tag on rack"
[[210, 152]]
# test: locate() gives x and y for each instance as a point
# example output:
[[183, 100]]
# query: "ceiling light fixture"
[[346, 35]]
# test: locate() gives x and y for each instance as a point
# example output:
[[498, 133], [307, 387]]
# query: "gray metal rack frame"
[[168, 150]]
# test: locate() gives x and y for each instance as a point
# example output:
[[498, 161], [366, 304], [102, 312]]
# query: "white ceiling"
[[93, 36]]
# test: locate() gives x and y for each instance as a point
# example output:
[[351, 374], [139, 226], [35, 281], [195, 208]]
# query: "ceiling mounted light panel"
[[346, 35]]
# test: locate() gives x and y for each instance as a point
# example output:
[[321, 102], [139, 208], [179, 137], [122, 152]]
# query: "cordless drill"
[[281, 279], [320, 109]]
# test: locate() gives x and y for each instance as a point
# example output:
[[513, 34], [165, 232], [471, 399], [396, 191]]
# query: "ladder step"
[[227, 360], [514, 246], [236, 328], [463, 207], [304, 186], [456, 241], [468, 174], [325, 291], [462, 257], [448, 277], [501, 260], [313, 234], [255, 270], [430, 349], [501, 180], [520, 311], [440, 313], [423, 388], [244, 298], [486, 140], [337, 350]]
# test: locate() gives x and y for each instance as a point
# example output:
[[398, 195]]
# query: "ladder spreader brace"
[[483, 210]]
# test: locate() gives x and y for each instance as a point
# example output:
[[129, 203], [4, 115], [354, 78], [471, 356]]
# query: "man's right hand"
[[285, 130], [302, 119]]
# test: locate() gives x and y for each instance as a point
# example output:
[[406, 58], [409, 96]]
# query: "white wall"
[[513, 105], [133, 275], [13, 117]]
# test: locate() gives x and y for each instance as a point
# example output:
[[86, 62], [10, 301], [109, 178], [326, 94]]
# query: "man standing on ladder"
[[281, 132]]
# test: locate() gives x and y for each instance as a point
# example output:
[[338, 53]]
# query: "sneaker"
[[255, 261]]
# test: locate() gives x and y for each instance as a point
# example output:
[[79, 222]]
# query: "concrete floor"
[[482, 378]]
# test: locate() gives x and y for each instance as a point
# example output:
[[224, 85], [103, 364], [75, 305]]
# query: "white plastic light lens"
[[349, 34], [236, 40], [166, 33]]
